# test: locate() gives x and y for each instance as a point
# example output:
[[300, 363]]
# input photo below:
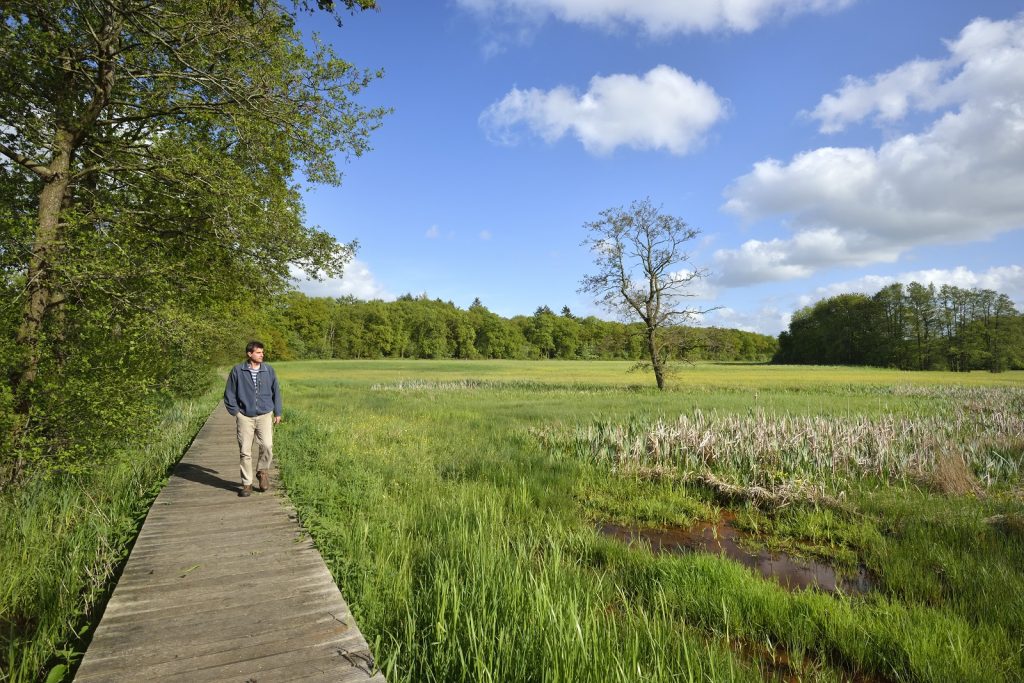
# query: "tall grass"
[[470, 583], [62, 540], [467, 547]]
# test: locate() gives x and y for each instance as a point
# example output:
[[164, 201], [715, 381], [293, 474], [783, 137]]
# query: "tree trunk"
[[55, 194], [652, 349], [39, 296]]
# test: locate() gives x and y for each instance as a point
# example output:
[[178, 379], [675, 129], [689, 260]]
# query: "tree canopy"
[[916, 327], [150, 196], [303, 327]]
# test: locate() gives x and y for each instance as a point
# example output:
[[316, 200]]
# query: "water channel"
[[722, 538]]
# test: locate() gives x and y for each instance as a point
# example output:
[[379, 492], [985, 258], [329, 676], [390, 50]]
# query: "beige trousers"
[[262, 428]]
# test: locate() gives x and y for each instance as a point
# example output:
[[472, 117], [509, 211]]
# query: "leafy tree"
[[430, 332], [380, 334], [566, 336], [424, 328], [495, 336], [150, 150], [919, 328], [309, 325], [891, 326], [643, 271], [993, 327], [539, 330], [803, 341], [460, 331], [923, 322]]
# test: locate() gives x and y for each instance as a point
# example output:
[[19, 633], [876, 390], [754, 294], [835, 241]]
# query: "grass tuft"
[[63, 540]]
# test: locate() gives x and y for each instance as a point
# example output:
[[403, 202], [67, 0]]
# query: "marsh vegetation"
[[461, 507], [524, 521]]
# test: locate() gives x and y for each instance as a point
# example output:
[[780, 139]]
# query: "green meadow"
[[459, 506]]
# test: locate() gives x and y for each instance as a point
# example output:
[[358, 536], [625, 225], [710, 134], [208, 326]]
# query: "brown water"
[[721, 539]]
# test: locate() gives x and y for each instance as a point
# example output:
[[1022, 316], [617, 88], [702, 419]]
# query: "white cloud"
[[756, 261], [492, 48], [777, 260], [985, 63], [663, 109], [432, 232], [657, 17], [765, 320], [890, 95], [357, 281], [485, 235], [957, 180], [697, 289]]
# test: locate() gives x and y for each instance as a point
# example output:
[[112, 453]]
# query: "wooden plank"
[[222, 588]]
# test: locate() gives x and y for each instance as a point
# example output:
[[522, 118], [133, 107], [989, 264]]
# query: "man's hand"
[[277, 419]]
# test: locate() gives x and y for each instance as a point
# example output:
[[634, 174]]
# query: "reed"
[[981, 428]]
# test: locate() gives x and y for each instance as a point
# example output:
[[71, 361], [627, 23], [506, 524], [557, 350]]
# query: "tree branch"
[[25, 162]]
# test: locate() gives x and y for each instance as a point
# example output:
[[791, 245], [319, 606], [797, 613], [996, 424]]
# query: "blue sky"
[[820, 146]]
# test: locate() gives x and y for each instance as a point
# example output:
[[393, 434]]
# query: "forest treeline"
[[916, 327], [303, 327]]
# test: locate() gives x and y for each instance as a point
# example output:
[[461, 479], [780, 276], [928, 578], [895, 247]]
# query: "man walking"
[[253, 397]]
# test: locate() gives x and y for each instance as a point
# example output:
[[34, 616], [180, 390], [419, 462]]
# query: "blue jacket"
[[240, 396]]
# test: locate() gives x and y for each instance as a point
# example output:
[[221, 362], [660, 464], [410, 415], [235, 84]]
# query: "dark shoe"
[[264, 478], [245, 492]]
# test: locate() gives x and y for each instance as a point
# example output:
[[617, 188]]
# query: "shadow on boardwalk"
[[222, 588], [206, 476]]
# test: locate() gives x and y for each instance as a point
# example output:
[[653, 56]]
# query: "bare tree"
[[643, 272]]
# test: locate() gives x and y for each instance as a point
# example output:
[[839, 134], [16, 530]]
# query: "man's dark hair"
[[253, 345]]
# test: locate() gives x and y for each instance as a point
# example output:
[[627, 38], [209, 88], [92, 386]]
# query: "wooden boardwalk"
[[222, 588]]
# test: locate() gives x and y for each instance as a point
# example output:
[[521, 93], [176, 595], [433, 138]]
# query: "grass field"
[[458, 506]]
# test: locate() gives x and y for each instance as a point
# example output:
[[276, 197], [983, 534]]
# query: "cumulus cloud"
[[765, 320], [357, 281], [698, 288], [656, 17], [957, 180], [485, 235], [787, 259], [432, 233], [663, 109], [985, 63]]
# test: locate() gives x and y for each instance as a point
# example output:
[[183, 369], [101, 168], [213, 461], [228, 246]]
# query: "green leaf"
[[57, 673]]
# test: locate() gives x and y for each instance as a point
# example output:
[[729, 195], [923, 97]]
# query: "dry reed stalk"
[[975, 432], [779, 497]]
